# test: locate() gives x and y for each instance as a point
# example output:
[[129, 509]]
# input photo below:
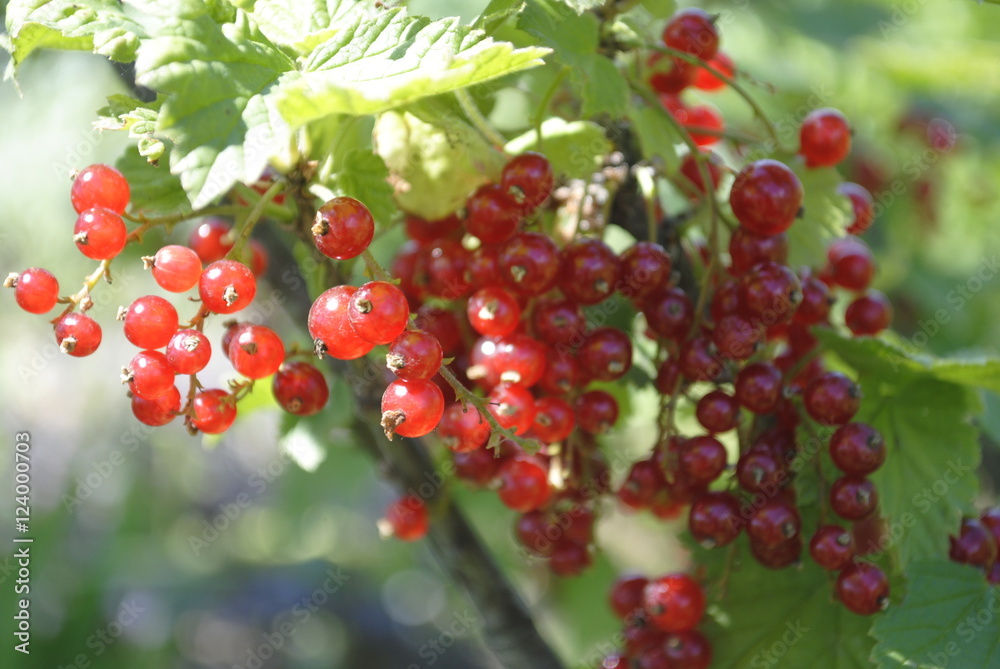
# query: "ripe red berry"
[[158, 411], [774, 523], [478, 467], [861, 203], [714, 519], [692, 31], [188, 351], [824, 138], [378, 312], [331, 328], [442, 269], [411, 408], [463, 429], [78, 335], [863, 588], [36, 290], [816, 302], [758, 387], [645, 270], [589, 271], [569, 558], [702, 459], [176, 268], [558, 322], [747, 249], [832, 398], [674, 603], [694, 184], [425, 231], [150, 322], [99, 233], [669, 314], [669, 75], [414, 354], [832, 547], [99, 186], [606, 354], [766, 197], [343, 228], [443, 325], [857, 448], [214, 411], [770, 292], [493, 311], [561, 375], [698, 360], [868, 314], [718, 411], [256, 351], [211, 240], [529, 263], [706, 81], [148, 375], [300, 388], [491, 214], [524, 483], [513, 407], [736, 337], [760, 469], [227, 286], [779, 557], [974, 545], [519, 359], [852, 265], [688, 650], [407, 518], [625, 596], [596, 411], [853, 497], [527, 178], [703, 122]]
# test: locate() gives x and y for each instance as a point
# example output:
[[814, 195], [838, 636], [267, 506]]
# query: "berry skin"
[[766, 197], [669, 314], [378, 312], [695, 182], [596, 411], [411, 408], [425, 231], [758, 387], [533, 530], [99, 233], [256, 351], [698, 360], [747, 249], [211, 240], [527, 178], [692, 31], [188, 351], [975, 545], [645, 270], [824, 138], [869, 314], [851, 263], [736, 337], [407, 518], [770, 292], [645, 479], [99, 186], [714, 519], [773, 524], [853, 497], [674, 603], [493, 311], [158, 411], [704, 118], [529, 263], [331, 328], [227, 286], [816, 302], [706, 81], [857, 449], [832, 547], [491, 214], [832, 398], [442, 269], [520, 359], [524, 483], [606, 355], [688, 650], [862, 204], [176, 268], [669, 75], [702, 459], [625, 596], [760, 469], [214, 411], [36, 290], [863, 588], [561, 375], [554, 420], [300, 388], [558, 322], [718, 411], [79, 335], [513, 407], [783, 555], [589, 271], [463, 429], [343, 228], [569, 559], [414, 354], [150, 322], [148, 375]]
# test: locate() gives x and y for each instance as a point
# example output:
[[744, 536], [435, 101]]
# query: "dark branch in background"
[[126, 72]]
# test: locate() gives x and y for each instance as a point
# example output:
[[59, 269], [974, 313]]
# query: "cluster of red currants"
[[978, 544], [100, 195]]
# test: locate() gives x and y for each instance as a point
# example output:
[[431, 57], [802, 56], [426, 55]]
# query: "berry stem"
[[254, 217], [82, 297], [477, 119]]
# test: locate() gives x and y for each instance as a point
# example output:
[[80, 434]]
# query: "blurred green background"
[[117, 580]]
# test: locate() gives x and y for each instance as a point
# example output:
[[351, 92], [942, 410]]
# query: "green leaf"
[[981, 372], [496, 13], [381, 63], [660, 9], [139, 118], [153, 188], [950, 617], [106, 27], [656, 136], [826, 215], [301, 25], [574, 40], [217, 112], [575, 149]]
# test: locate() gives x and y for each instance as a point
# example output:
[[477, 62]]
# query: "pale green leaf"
[[301, 25], [393, 60], [656, 135], [660, 9], [154, 190], [217, 113], [496, 13], [950, 617], [574, 149], [825, 216], [139, 118]]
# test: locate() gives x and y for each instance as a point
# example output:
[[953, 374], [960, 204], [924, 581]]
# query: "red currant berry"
[[852, 265], [493, 311], [714, 519], [774, 523], [78, 335], [554, 420], [300, 388], [692, 31], [343, 228], [533, 530], [569, 559], [690, 169], [520, 359], [379, 312], [527, 178], [463, 429], [706, 81], [214, 411], [175, 268], [211, 240], [824, 138], [863, 588], [718, 411], [513, 407], [411, 408], [256, 351], [99, 233], [524, 483], [188, 351], [491, 214], [758, 387], [669, 314], [667, 377], [589, 271], [766, 197], [442, 268], [561, 375], [832, 547], [625, 597], [645, 270], [669, 75], [425, 231], [698, 360], [331, 328], [816, 302], [853, 497], [974, 545], [832, 398], [158, 411], [529, 263], [702, 459], [703, 122], [150, 322], [770, 292], [36, 290], [644, 481], [414, 354], [674, 603], [857, 448], [606, 354], [227, 286], [596, 411], [747, 249], [478, 467], [99, 186], [869, 314], [760, 469], [862, 205], [688, 650], [443, 325], [483, 268], [148, 375], [407, 518], [558, 322], [736, 337], [779, 557]]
